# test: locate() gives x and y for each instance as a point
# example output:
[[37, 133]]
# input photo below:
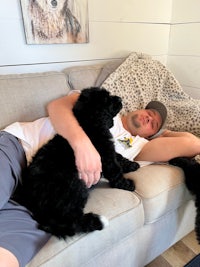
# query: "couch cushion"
[[24, 96], [119, 206], [112, 202], [160, 193], [82, 76], [107, 70]]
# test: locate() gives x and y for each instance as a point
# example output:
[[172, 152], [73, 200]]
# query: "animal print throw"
[[140, 79]]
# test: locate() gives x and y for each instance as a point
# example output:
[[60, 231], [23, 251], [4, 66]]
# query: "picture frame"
[[55, 21]]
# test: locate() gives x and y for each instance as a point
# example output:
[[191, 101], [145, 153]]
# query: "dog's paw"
[[91, 222], [127, 165], [130, 166], [104, 221], [128, 184], [123, 183], [181, 162], [134, 166]]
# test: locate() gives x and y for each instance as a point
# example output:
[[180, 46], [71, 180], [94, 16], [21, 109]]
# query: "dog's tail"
[[87, 223]]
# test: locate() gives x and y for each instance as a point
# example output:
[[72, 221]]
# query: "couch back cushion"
[[24, 96], [80, 77]]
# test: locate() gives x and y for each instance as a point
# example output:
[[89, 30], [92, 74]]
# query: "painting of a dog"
[[55, 21], [51, 187]]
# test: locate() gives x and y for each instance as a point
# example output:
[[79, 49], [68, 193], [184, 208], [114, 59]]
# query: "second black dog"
[[51, 188], [191, 170]]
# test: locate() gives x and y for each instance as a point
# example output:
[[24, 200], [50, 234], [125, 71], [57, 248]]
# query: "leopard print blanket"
[[140, 79]]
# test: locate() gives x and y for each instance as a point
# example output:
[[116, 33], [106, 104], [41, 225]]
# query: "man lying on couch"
[[145, 123]]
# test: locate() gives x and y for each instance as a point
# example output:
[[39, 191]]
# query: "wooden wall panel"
[[184, 45], [115, 29], [107, 40], [185, 11], [185, 39], [186, 69], [154, 11]]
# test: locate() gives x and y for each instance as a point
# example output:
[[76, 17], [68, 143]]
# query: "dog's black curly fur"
[[51, 188], [191, 170]]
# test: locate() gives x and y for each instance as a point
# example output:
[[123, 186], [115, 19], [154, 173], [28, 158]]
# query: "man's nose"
[[149, 118]]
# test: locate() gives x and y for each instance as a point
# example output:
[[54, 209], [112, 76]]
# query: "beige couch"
[[142, 224]]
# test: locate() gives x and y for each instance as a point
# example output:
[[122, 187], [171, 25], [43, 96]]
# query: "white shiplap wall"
[[116, 28], [184, 45]]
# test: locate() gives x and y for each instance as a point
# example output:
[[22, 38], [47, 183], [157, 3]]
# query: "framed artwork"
[[55, 21]]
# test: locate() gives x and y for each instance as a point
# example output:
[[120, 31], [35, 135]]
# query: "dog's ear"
[[90, 94], [98, 100], [86, 103], [94, 95]]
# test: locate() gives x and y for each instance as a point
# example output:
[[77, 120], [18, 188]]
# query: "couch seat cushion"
[[119, 206], [160, 193]]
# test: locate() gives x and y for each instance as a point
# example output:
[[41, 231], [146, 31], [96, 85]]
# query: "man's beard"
[[134, 121]]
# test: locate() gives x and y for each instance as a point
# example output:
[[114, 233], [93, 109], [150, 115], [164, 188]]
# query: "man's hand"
[[88, 162]]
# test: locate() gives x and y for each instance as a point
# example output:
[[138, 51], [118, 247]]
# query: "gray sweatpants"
[[18, 231]]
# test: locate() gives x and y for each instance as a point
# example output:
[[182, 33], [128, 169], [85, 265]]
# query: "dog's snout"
[[54, 3], [117, 103], [117, 99]]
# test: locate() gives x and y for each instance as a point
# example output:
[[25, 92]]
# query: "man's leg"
[[19, 233], [7, 259], [20, 238], [12, 161]]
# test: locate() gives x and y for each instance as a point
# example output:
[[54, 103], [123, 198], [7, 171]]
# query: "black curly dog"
[[51, 188], [191, 170]]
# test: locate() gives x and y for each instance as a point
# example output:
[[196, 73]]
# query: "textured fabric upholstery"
[[167, 189], [82, 77], [24, 96]]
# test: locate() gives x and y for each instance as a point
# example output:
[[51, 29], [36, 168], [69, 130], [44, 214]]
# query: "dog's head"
[[50, 5], [97, 106]]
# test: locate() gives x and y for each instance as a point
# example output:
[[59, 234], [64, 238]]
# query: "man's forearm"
[[63, 119], [168, 147], [87, 158]]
